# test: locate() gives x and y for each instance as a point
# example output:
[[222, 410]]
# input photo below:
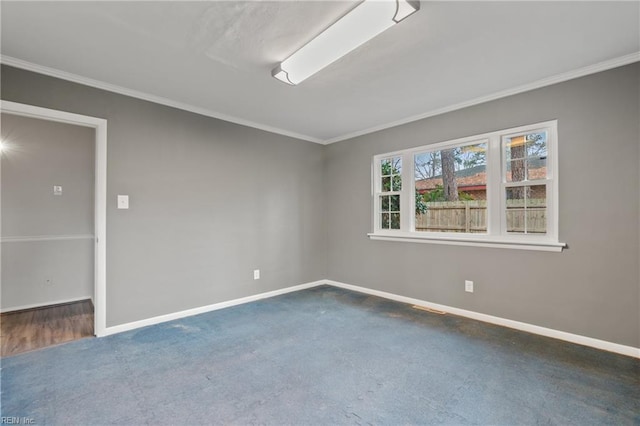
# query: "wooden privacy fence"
[[471, 216]]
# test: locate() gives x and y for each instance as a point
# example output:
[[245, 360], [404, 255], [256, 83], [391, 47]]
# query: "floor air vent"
[[433, 311]]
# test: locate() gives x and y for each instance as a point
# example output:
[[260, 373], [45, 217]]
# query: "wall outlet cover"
[[468, 286], [123, 201]]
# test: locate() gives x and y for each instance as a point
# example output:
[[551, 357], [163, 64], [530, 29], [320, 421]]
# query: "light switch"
[[57, 190], [123, 201]]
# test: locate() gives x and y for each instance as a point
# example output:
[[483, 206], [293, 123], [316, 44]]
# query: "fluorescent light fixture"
[[364, 22]]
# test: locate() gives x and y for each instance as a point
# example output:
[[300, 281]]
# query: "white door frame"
[[100, 222]]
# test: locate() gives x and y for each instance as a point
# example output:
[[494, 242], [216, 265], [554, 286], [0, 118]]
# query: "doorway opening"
[[50, 240]]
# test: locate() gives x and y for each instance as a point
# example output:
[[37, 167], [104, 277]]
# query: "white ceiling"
[[216, 57]]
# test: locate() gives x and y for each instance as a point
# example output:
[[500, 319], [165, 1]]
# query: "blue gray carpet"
[[319, 357]]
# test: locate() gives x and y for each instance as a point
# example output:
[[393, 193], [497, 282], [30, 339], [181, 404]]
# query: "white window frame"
[[378, 193], [496, 235]]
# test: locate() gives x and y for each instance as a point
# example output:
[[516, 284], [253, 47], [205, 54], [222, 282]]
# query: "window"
[[389, 189], [497, 189], [525, 163], [451, 189]]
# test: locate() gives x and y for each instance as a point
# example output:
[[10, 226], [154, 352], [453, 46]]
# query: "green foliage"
[[388, 168], [392, 180], [475, 158], [389, 181], [437, 194], [464, 196], [421, 204]]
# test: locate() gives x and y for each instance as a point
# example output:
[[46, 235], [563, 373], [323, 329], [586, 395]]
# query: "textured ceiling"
[[216, 57]]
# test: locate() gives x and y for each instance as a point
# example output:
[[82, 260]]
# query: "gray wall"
[[209, 202], [42, 154], [591, 289]]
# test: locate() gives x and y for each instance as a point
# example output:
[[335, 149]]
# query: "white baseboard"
[[529, 328], [522, 326], [195, 311], [40, 305]]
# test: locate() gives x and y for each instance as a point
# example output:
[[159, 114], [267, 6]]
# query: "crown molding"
[[63, 75], [40, 238], [558, 78]]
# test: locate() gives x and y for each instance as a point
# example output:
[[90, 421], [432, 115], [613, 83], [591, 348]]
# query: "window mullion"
[[552, 184], [375, 189], [406, 221], [495, 177]]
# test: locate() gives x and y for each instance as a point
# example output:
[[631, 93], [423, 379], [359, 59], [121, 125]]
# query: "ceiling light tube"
[[367, 20]]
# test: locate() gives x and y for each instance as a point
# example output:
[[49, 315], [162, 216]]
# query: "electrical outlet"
[[468, 286], [48, 281], [123, 201], [256, 274]]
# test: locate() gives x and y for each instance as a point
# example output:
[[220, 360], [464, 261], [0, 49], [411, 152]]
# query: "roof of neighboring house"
[[475, 181]]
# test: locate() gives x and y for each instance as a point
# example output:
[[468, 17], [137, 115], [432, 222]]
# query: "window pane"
[[397, 165], [386, 184], [385, 167], [395, 220], [526, 157], [384, 223], [515, 147], [515, 209], [527, 209], [536, 196], [395, 203], [390, 171], [384, 203], [536, 203], [396, 182], [536, 144], [451, 189], [537, 221], [536, 168], [390, 211], [516, 171]]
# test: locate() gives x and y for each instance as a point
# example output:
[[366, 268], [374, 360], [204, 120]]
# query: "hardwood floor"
[[23, 331]]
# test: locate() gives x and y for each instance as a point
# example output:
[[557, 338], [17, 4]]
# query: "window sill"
[[475, 242]]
